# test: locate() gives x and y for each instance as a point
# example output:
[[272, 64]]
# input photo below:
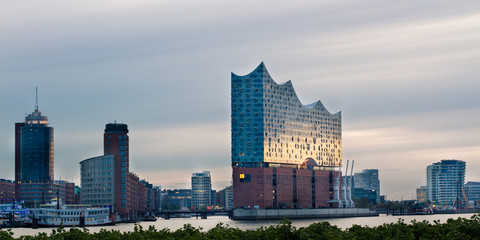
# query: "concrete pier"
[[270, 214]]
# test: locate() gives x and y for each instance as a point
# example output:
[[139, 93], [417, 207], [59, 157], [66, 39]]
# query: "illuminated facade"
[[271, 126], [201, 190], [284, 154]]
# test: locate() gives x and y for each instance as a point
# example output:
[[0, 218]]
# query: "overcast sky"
[[405, 75]]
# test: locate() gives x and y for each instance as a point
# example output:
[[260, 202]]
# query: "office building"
[[445, 180], [108, 180], [97, 176], [284, 154], [367, 184], [34, 180], [201, 190], [177, 199], [115, 142]]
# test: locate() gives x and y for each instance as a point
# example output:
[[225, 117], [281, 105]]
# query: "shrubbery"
[[459, 228]]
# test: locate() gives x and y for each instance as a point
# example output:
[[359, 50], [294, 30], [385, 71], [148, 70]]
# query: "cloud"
[[404, 75]]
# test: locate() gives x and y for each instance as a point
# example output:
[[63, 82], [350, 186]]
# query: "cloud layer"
[[404, 74]]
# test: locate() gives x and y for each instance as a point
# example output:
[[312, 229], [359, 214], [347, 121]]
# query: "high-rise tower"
[[36, 151], [34, 158], [115, 142]]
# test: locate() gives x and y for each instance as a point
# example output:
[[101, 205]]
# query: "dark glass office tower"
[[34, 160], [36, 149]]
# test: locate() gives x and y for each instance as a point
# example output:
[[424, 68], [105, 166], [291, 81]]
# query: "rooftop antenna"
[[36, 99]]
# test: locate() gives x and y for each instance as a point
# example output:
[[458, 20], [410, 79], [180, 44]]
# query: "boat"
[[149, 218], [55, 215], [421, 209]]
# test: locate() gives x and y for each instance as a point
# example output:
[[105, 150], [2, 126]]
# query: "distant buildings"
[[284, 154], [472, 191], [177, 199], [422, 194], [153, 197], [445, 180], [7, 190], [367, 184], [201, 190], [157, 191], [224, 198]]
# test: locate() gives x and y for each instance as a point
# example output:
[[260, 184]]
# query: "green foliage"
[[460, 228]]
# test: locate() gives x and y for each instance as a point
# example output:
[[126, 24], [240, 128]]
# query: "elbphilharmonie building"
[[284, 154]]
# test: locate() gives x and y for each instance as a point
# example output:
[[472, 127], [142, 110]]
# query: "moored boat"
[[53, 215]]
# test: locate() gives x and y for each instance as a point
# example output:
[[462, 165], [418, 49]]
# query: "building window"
[[245, 177]]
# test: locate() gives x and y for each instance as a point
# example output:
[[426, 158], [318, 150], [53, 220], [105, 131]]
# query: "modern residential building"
[[445, 180], [284, 154], [201, 190], [97, 176], [422, 194], [472, 191], [367, 184]]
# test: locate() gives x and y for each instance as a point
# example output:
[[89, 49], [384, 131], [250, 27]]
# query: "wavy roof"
[[289, 86]]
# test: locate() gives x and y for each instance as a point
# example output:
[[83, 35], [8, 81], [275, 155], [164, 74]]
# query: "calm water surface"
[[212, 221]]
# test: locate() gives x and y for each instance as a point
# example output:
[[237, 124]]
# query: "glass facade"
[[201, 190], [366, 183], [271, 126], [97, 181], [36, 149]]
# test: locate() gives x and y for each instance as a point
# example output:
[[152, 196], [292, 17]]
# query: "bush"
[[460, 228]]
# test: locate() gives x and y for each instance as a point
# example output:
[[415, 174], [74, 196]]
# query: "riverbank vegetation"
[[460, 228]]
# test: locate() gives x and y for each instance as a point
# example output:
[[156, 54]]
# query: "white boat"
[[52, 215]]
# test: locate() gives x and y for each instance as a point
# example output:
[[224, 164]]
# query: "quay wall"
[[269, 214]]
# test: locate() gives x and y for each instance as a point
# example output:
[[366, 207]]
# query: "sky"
[[404, 74]]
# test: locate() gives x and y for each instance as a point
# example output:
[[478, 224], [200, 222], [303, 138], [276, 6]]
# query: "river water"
[[212, 221]]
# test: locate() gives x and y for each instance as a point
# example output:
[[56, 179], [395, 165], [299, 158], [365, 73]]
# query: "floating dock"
[[273, 214]]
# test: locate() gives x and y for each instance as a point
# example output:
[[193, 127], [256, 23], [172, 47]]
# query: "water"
[[212, 221]]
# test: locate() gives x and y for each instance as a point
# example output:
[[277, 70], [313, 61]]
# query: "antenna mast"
[[36, 99]]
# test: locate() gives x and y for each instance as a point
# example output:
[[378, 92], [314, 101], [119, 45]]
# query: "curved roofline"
[[317, 104], [110, 155], [261, 65]]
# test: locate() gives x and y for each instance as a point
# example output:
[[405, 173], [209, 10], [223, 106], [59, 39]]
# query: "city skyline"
[[405, 77]]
